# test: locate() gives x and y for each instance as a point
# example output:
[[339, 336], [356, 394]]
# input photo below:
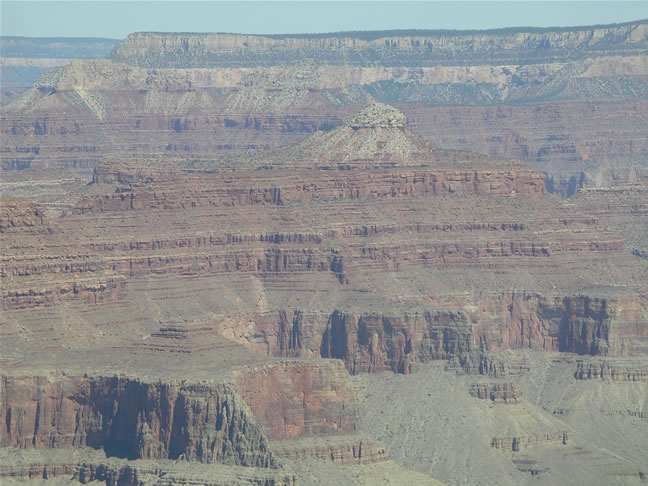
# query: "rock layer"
[[386, 47], [569, 101], [329, 233]]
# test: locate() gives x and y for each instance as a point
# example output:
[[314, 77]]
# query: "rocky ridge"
[[25, 59]]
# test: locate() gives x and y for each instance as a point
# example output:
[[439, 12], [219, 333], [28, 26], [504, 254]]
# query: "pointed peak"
[[378, 115]]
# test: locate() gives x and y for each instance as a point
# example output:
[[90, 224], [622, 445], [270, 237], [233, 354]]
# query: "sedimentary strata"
[[571, 102]]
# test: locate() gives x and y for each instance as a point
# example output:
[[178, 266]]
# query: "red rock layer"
[[299, 400], [130, 418], [226, 422], [283, 252]]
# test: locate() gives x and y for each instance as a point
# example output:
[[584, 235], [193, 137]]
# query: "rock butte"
[[201, 314]]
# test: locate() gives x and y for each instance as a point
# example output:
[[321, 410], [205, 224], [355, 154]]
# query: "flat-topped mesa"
[[391, 48], [375, 137]]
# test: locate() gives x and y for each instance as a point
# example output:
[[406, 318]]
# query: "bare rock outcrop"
[[386, 47], [612, 369], [517, 444], [132, 419], [236, 410], [85, 465], [571, 102], [180, 308], [496, 392], [22, 216], [378, 115]]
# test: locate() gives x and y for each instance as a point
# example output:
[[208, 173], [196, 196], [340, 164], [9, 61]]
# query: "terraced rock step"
[[496, 392], [310, 255], [612, 369], [516, 444], [84, 465]]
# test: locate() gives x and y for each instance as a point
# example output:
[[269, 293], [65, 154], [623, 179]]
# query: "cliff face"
[[242, 421], [388, 47], [278, 189], [312, 402], [132, 419], [361, 244], [201, 305], [373, 343], [576, 324]]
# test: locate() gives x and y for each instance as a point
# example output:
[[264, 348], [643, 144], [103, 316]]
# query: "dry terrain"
[[225, 265]]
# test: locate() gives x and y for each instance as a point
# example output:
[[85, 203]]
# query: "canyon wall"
[[345, 219], [571, 102], [243, 422], [177, 289], [384, 47], [132, 419]]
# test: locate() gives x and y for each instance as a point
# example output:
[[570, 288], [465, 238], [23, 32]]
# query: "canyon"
[[226, 263], [569, 102]]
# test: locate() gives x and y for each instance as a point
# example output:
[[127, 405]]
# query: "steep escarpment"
[[372, 343], [181, 396], [225, 423], [386, 47], [210, 309], [132, 419], [279, 404], [278, 188], [577, 324]]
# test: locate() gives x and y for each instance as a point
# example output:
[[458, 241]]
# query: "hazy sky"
[[116, 19]]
